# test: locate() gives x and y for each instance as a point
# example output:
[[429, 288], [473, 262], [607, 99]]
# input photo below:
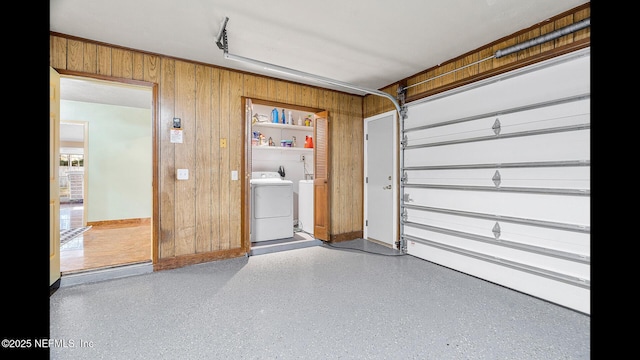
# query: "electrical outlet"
[[183, 174], [302, 158]]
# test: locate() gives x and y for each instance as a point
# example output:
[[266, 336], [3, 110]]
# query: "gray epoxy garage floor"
[[312, 303]]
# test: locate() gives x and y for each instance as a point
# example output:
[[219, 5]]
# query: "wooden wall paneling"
[[281, 91], [292, 93], [357, 158], [90, 58], [166, 240], [507, 59], [314, 95], [545, 29], [185, 159], [337, 190], [104, 60], [151, 68], [370, 106], [306, 96], [534, 50], [57, 52], [343, 172], [225, 176], [75, 55], [579, 16], [215, 163], [365, 105], [429, 85], [450, 76], [486, 65], [271, 89], [236, 154], [560, 23], [262, 87], [414, 89], [121, 63], [202, 173], [469, 71], [393, 91], [379, 105], [437, 79], [138, 66], [249, 86]]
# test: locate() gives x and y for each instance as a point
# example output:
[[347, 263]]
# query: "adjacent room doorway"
[[108, 243]]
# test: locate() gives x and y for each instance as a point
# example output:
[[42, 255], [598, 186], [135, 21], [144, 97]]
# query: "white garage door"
[[496, 180]]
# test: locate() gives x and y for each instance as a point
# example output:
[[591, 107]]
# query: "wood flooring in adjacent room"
[[102, 246]]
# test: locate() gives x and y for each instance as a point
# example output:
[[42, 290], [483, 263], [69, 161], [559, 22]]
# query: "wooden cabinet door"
[[321, 200]]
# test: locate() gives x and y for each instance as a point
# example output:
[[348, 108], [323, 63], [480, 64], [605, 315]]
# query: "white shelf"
[[283, 126]]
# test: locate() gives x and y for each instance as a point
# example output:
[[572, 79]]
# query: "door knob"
[[386, 187]]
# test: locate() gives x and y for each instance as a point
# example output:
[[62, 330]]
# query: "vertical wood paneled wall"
[[200, 219], [374, 105]]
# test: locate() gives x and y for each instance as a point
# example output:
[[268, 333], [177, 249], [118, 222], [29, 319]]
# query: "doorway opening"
[[280, 173], [106, 164]]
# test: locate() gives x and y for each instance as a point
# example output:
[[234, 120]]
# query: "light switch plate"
[[183, 174], [234, 175]]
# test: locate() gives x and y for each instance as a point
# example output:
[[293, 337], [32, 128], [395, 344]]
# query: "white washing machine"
[[271, 207]]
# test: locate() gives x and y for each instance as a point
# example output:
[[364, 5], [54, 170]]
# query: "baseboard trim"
[[54, 287], [121, 222], [103, 274], [192, 259]]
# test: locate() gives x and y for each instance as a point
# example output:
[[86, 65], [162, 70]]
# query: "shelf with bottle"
[[281, 116], [283, 126]]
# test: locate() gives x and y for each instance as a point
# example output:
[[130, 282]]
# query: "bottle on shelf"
[[284, 120], [308, 142]]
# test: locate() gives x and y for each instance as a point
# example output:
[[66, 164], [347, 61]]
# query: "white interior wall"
[[119, 159]]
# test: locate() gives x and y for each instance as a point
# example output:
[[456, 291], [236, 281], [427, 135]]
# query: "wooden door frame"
[[54, 182], [155, 138]]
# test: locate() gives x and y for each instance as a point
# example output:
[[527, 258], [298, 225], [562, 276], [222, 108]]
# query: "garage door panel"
[[560, 238], [546, 117], [557, 147], [562, 269], [497, 175], [564, 209], [540, 84], [550, 289], [575, 177]]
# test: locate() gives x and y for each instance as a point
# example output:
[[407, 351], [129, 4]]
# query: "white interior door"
[[380, 179]]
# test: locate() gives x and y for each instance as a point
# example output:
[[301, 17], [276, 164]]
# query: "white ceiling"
[[368, 43]]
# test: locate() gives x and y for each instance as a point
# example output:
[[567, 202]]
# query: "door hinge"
[[366, 223], [366, 180], [366, 136]]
